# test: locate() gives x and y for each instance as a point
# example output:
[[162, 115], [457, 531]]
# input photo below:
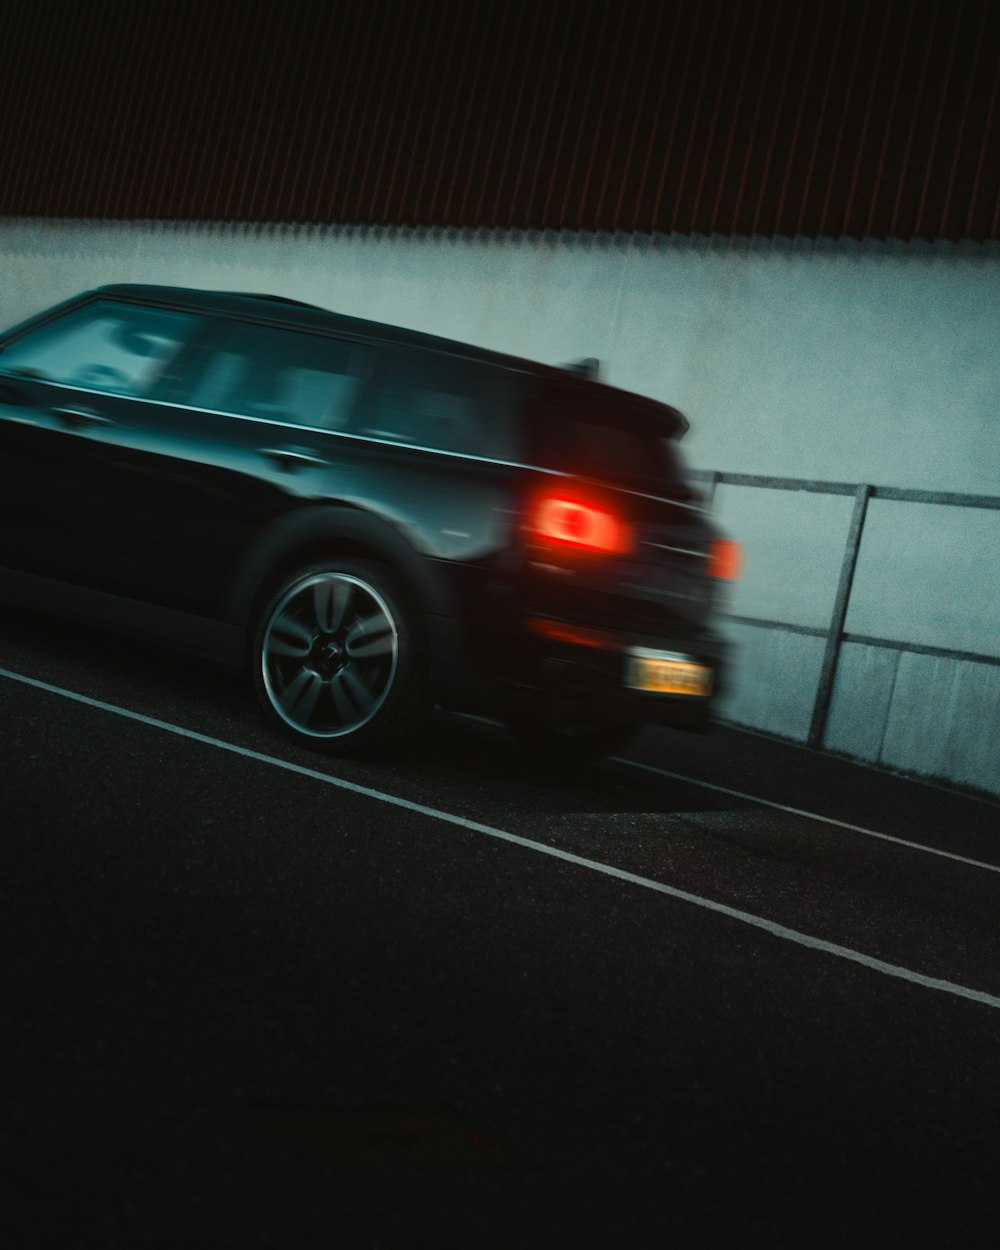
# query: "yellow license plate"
[[663, 672]]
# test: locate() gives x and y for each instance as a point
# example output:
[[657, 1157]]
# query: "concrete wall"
[[839, 361], [927, 580]]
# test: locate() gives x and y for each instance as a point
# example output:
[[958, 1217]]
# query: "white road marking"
[[756, 922], [798, 811]]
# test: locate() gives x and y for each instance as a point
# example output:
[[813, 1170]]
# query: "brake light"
[[725, 559], [575, 524]]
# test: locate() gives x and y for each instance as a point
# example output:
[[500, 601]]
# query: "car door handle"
[[289, 458], [82, 416]]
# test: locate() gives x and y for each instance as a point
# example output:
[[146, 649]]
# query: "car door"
[[69, 392], [241, 429]]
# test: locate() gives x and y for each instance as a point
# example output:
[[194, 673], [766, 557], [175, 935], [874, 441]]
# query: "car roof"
[[281, 310]]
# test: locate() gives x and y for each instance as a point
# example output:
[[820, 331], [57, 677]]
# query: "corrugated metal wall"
[[847, 117]]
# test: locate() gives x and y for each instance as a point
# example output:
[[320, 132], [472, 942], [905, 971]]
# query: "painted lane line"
[[620, 874], [781, 807], [798, 811]]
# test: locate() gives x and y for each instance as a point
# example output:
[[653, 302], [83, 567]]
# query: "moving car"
[[368, 519]]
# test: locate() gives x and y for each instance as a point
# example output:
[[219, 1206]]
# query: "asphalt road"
[[722, 992]]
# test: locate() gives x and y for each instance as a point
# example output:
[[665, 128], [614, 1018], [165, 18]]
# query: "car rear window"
[[580, 431]]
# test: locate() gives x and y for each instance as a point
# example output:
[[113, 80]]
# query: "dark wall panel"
[[748, 117]]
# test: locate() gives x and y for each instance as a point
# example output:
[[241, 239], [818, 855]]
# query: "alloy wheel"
[[329, 654]]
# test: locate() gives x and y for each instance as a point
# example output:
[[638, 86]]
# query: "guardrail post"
[[831, 657]]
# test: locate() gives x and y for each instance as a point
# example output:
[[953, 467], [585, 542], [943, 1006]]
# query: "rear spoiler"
[[674, 423], [677, 422]]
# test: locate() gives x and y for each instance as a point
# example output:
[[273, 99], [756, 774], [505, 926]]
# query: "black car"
[[369, 519]]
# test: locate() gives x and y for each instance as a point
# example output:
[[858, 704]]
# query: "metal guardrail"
[[835, 636]]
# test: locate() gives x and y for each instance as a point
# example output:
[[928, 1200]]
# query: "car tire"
[[558, 738], [339, 658]]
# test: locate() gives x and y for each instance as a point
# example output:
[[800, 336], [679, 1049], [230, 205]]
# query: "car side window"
[[102, 346], [275, 374], [442, 402]]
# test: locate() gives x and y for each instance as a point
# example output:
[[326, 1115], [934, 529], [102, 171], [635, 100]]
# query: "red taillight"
[[575, 524], [725, 559]]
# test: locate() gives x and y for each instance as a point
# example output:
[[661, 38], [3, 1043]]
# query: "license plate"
[[666, 672]]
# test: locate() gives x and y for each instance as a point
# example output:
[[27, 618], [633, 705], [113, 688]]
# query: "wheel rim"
[[329, 655]]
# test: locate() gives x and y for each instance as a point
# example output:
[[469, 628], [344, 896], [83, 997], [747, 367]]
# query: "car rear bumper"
[[527, 665]]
